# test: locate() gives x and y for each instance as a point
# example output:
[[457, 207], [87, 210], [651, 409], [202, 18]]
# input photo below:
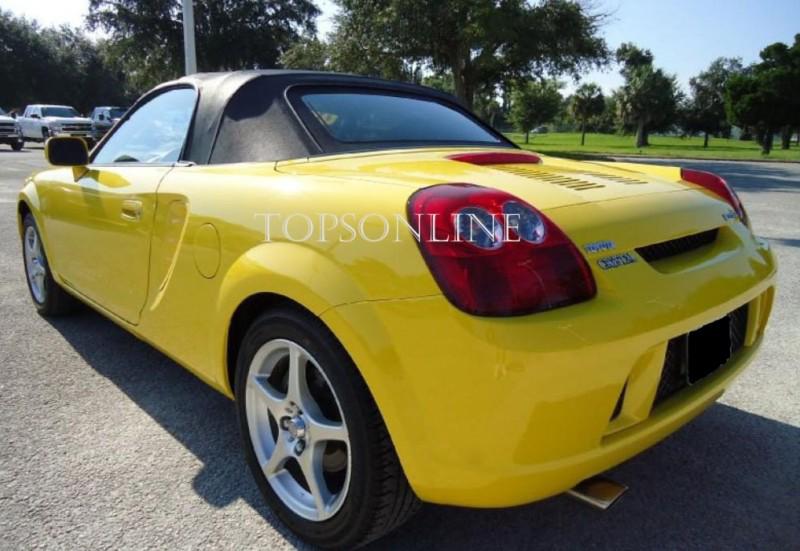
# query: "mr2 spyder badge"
[[615, 261], [599, 246]]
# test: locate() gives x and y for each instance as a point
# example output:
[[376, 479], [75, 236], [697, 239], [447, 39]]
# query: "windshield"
[[2, 112], [117, 112], [59, 112], [384, 117]]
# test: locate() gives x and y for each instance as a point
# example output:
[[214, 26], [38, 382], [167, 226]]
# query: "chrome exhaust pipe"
[[598, 491]]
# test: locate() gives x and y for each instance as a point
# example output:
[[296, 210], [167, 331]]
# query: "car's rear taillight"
[[493, 254], [718, 186]]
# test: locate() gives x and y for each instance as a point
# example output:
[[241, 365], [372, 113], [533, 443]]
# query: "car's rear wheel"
[[48, 296], [313, 435]]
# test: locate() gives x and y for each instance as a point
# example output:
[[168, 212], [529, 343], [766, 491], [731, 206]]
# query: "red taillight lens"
[[718, 186], [534, 268]]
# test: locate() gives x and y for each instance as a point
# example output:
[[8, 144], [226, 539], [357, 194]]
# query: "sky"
[[685, 36]]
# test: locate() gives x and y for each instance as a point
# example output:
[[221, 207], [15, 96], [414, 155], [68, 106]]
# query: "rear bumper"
[[493, 412]]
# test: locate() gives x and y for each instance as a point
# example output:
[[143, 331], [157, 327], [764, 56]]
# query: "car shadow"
[[728, 480], [200, 418]]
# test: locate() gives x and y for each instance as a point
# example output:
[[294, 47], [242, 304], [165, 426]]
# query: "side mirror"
[[14, 115], [101, 117], [35, 116], [66, 151]]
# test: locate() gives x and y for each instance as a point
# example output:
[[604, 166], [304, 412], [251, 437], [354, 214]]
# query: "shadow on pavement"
[[200, 418], [728, 480]]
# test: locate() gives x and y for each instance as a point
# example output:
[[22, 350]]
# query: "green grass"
[[567, 144]]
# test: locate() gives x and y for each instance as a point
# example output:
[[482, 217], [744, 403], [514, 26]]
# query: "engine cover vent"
[[556, 178]]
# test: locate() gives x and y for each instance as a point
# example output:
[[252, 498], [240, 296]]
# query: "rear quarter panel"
[[210, 252]]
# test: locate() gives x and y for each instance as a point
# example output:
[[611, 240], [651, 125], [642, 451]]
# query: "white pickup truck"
[[9, 131], [40, 122]]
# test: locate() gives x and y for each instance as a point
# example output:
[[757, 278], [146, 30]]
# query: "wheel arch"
[[23, 209], [273, 275], [243, 317]]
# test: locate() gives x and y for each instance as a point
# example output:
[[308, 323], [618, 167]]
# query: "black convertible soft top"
[[245, 116]]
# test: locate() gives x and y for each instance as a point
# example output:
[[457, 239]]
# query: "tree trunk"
[[705, 141], [798, 135], [641, 134], [759, 136], [527, 135], [462, 87], [786, 137], [766, 141], [583, 133]]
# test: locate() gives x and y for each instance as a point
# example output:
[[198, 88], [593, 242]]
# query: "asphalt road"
[[105, 443]]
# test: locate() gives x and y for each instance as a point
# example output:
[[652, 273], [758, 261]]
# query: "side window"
[[154, 133]]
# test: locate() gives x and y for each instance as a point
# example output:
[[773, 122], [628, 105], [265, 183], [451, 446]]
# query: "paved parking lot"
[[105, 443]]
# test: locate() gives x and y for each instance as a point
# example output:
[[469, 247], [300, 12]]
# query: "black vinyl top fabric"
[[246, 116]]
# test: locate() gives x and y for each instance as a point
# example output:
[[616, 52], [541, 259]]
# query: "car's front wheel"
[[48, 296], [313, 435], [17, 146]]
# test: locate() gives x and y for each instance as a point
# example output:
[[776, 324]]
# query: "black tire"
[[45, 134], [57, 301], [379, 498], [17, 146]]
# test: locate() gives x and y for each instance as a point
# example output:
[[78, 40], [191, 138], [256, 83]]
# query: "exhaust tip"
[[598, 491]]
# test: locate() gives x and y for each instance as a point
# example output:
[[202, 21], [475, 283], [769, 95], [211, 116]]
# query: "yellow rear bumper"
[[493, 412]]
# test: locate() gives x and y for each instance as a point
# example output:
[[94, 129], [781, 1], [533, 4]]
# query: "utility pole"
[[189, 53]]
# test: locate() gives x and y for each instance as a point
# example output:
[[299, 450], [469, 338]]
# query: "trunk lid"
[[553, 183]]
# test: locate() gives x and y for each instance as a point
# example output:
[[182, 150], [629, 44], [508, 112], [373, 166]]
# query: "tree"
[[54, 65], [587, 102], [147, 35], [765, 96], [480, 42], [649, 98], [752, 99], [783, 64], [533, 104], [308, 53], [705, 110]]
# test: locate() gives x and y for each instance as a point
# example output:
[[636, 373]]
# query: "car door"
[[27, 122], [100, 221]]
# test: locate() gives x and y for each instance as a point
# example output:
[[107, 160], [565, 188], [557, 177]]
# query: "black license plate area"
[[708, 349]]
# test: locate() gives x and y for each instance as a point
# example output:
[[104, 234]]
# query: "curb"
[[603, 157]]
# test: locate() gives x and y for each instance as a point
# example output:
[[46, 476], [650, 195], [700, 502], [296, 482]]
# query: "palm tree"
[[587, 102]]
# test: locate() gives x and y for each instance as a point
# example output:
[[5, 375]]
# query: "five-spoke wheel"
[[314, 438], [35, 266], [298, 429], [48, 296]]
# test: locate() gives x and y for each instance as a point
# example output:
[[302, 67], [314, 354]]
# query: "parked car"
[[9, 131], [404, 305], [39, 122], [103, 118]]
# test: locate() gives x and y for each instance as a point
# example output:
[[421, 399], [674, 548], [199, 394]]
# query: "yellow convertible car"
[[404, 306]]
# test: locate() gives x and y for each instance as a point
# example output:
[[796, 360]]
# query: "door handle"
[[131, 210]]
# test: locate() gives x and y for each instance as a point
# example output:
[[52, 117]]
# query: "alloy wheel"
[[298, 430], [35, 266]]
